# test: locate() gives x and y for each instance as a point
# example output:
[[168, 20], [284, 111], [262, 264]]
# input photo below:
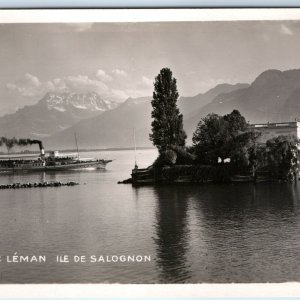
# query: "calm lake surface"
[[205, 233]]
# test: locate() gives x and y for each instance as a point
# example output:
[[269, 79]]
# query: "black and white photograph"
[[150, 152]]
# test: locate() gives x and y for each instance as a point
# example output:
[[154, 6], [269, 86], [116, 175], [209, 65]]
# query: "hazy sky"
[[121, 60]]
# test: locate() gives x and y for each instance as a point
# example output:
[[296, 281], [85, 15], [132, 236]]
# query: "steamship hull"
[[99, 164], [54, 161], [38, 166]]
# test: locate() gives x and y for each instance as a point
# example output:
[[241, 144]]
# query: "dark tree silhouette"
[[282, 154], [223, 137], [167, 124]]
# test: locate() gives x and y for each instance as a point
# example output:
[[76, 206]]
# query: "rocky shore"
[[36, 185]]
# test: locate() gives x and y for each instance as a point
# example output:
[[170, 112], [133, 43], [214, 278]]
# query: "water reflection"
[[246, 231], [172, 233], [204, 233], [227, 233]]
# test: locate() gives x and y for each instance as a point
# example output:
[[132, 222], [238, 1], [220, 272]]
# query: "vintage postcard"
[[149, 146]]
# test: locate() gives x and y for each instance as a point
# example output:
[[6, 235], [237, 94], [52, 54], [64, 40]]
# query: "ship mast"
[[135, 164], [76, 145]]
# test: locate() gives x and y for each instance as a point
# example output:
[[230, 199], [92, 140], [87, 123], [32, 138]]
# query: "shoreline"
[[198, 175]]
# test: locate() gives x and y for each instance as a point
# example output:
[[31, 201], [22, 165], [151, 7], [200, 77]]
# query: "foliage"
[[209, 139], [278, 158], [245, 153], [281, 157], [235, 121], [166, 158], [174, 155], [256, 156], [184, 157], [197, 173], [223, 137], [167, 124]]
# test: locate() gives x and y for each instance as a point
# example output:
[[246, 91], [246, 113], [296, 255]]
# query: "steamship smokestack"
[[10, 143], [42, 150]]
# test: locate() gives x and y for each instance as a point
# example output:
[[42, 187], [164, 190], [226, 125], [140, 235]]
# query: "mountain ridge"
[[272, 97], [53, 113], [114, 128]]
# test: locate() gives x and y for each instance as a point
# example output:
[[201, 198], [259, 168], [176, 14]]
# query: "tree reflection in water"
[[227, 233], [172, 233]]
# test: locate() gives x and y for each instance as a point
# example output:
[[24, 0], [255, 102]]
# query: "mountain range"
[[114, 128], [272, 97], [53, 113]]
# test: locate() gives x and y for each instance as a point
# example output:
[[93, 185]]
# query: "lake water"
[[205, 233]]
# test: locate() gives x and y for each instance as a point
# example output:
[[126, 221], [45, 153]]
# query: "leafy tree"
[[282, 157], [245, 153], [210, 138], [222, 137], [236, 122], [256, 155], [166, 158], [167, 124], [184, 157]]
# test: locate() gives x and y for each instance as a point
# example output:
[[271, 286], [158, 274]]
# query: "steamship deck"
[[53, 161]]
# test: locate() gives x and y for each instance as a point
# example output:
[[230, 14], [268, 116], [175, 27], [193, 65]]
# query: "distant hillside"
[[115, 128], [272, 97], [188, 105], [53, 113]]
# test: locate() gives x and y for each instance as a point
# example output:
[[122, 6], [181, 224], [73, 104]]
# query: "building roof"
[[276, 125]]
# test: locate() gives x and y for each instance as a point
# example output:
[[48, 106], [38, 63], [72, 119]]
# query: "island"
[[225, 149]]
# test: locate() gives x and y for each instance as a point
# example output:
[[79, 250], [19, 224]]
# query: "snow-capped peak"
[[65, 101]]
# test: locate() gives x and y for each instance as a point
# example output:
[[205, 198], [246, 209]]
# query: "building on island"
[[271, 130]]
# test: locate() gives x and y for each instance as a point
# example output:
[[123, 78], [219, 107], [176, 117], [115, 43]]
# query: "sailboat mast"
[[76, 144], [135, 164]]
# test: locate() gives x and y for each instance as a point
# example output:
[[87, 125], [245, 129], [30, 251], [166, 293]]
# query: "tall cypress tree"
[[167, 124]]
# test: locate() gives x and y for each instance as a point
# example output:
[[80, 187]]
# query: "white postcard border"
[[140, 291]]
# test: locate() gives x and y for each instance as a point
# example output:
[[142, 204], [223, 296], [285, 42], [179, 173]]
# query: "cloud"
[[119, 94], [101, 75], [135, 93], [81, 84], [147, 82], [142, 88], [111, 88], [145, 85], [31, 87], [119, 72], [285, 30]]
